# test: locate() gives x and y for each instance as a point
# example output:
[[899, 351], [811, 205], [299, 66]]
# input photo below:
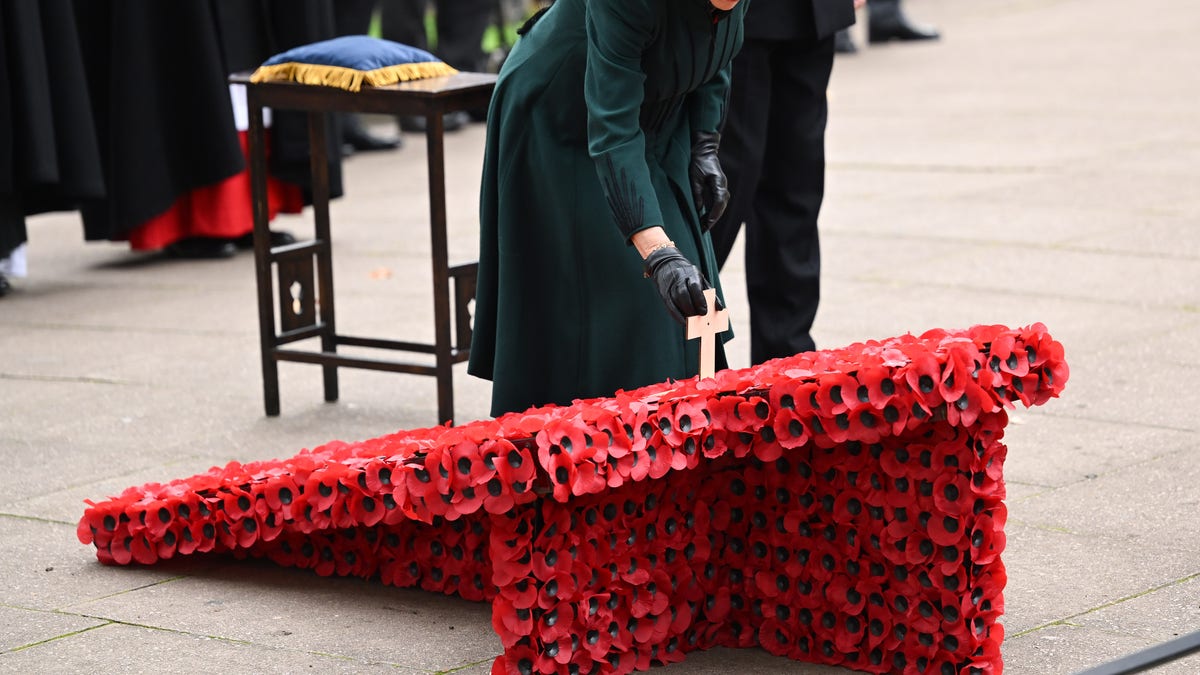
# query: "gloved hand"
[[679, 283], [709, 187]]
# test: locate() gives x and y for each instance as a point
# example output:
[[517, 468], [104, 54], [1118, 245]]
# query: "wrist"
[[648, 240], [656, 257], [658, 247]]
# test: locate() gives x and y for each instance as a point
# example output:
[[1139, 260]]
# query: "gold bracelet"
[[657, 247]]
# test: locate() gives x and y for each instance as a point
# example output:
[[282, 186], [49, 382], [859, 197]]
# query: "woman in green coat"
[[600, 181]]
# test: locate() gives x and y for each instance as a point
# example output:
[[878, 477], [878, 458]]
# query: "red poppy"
[[952, 493], [278, 496], [270, 526], [897, 461], [966, 408], [724, 411], [876, 386], [845, 596], [324, 485], [467, 466], [516, 660], [789, 428], [687, 418], [987, 657], [562, 470], [364, 509], [923, 376]]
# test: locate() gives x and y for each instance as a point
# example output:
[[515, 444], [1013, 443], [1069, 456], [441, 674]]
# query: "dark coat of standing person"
[[157, 78], [601, 134], [49, 154], [773, 153]]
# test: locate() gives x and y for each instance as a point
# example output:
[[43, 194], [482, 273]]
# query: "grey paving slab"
[[856, 308], [1127, 386], [1180, 346], [1111, 278], [1055, 575], [25, 627], [1154, 504], [117, 648], [1068, 649], [295, 609], [58, 463], [1049, 450], [66, 505], [1167, 613], [43, 566]]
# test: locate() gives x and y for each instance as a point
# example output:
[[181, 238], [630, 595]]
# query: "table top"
[[429, 96], [447, 85]]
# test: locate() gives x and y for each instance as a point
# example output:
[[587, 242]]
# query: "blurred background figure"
[[459, 28], [773, 153], [353, 17], [171, 129], [886, 21], [49, 153]]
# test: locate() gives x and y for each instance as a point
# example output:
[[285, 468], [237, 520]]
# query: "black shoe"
[[888, 22], [451, 121], [5, 287], [278, 238], [355, 137], [201, 248], [843, 43]]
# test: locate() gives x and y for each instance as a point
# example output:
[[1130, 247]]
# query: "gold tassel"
[[349, 78]]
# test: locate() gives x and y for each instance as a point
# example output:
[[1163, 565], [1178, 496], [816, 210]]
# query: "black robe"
[[49, 155], [157, 74]]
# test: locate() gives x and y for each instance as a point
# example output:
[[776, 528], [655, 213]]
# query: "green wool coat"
[[589, 141]]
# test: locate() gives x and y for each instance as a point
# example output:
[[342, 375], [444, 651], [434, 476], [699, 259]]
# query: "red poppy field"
[[841, 507]]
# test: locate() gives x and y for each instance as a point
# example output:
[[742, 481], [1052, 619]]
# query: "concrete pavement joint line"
[[56, 637], [1065, 621], [134, 472], [218, 638], [892, 282], [1047, 528], [463, 667], [5, 605], [36, 519], [131, 330], [1062, 246], [938, 168], [1124, 423], [1094, 476], [64, 610], [80, 379]]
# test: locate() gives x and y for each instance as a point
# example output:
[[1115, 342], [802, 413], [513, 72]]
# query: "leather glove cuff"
[[705, 142], [658, 256]]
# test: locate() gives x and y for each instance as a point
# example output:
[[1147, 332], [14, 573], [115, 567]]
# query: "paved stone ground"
[[1039, 164]]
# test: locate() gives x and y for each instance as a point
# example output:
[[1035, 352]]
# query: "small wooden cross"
[[706, 328]]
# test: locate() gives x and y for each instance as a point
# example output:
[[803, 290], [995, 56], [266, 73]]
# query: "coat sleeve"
[[706, 105], [618, 32]]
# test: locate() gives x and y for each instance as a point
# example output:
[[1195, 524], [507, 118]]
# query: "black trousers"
[[773, 153], [353, 17], [460, 28]]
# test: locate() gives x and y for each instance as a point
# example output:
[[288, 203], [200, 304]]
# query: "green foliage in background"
[[491, 37]]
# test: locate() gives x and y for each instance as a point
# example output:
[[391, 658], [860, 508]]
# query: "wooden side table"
[[299, 276]]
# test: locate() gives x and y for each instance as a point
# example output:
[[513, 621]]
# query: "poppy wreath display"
[[841, 507]]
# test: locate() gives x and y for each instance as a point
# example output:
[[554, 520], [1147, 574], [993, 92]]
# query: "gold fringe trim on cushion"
[[349, 78]]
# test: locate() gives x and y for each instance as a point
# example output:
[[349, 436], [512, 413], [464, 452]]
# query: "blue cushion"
[[349, 62]]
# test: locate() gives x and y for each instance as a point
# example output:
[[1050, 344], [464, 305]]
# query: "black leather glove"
[[709, 187], [679, 283]]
